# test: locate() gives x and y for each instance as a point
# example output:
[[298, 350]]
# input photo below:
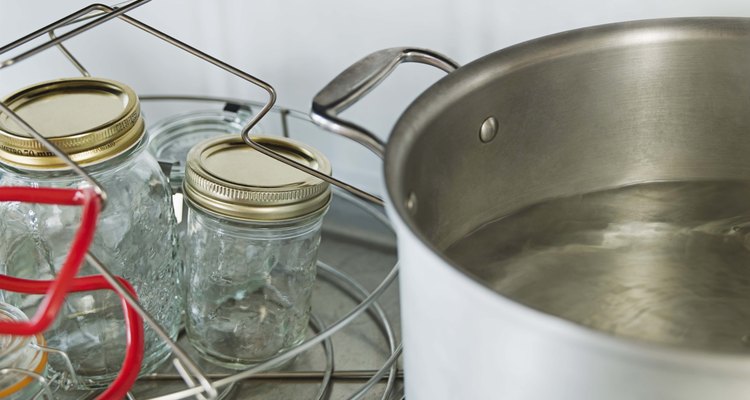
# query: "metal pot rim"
[[440, 96]]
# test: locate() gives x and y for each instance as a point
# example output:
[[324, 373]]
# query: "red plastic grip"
[[66, 281], [58, 289], [134, 351]]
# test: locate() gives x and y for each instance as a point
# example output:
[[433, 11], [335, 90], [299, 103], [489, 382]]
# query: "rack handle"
[[358, 80]]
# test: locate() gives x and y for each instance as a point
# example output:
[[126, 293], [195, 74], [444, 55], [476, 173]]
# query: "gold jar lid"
[[226, 177], [90, 119]]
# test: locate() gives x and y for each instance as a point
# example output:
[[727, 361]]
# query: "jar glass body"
[[249, 285], [135, 239], [170, 139]]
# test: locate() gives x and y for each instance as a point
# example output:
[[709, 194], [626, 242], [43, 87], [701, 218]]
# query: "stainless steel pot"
[[576, 112]]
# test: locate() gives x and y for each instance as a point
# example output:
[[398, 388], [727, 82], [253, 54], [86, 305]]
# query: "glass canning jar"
[[20, 353], [98, 124], [171, 138], [253, 230]]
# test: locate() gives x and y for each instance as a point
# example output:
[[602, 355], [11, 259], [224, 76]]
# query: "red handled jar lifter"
[[66, 281]]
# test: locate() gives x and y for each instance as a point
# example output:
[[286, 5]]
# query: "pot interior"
[[616, 192]]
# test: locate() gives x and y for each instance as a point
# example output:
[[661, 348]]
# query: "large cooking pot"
[[572, 113]]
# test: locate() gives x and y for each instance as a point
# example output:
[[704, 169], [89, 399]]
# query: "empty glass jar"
[[98, 123], [253, 231], [170, 139], [19, 359]]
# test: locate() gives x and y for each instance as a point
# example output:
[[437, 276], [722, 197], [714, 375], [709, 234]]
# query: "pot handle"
[[343, 91], [358, 80]]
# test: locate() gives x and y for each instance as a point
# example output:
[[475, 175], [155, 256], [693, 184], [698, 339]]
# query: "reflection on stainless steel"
[[348, 87], [359, 79], [666, 262], [576, 112]]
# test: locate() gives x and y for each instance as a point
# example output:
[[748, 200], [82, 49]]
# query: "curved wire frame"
[[98, 14]]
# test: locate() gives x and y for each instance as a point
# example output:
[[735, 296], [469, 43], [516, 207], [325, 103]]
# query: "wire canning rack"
[[199, 384]]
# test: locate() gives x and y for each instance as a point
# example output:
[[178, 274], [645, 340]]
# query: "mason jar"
[[253, 231], [20, 353], [171, 138], [98, 123]]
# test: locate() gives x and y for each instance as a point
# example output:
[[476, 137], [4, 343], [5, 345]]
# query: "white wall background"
[[299, 45]]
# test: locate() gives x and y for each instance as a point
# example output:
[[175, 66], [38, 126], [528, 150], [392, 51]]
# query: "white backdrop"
[[299, 45]]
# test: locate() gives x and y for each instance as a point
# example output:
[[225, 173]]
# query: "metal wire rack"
[[200, 384]]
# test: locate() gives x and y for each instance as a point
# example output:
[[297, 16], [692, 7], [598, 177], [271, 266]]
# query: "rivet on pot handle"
[[358, 80], [343, 91]]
